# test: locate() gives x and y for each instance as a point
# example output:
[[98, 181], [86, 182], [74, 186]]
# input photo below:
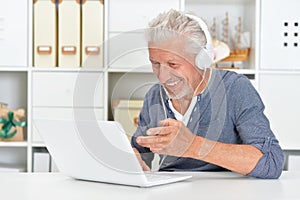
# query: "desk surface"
[[203, 186]]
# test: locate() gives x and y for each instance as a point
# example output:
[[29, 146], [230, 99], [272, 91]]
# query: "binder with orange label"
[[44, 33], [69, 33], [92, 33]]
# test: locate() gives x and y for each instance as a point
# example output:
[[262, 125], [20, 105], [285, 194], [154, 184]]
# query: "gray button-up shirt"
[[230, 111]]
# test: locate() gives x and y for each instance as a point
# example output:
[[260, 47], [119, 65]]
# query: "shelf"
[[13, 69], [38, 144], [218, 1], [284, 72], [13, 144], [238, 12], [62, 69]]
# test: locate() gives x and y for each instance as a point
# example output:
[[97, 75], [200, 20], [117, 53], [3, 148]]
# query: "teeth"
[[173, 83]]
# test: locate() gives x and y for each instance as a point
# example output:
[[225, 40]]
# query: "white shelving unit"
[[14, 76], [127, 71]]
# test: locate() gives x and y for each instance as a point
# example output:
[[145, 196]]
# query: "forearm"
[[240, 158]]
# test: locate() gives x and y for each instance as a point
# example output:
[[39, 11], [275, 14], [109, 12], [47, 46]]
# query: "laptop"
[[97, 151]]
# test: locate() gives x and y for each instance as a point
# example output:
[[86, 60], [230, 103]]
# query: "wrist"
[[200, 148], [194, 149]]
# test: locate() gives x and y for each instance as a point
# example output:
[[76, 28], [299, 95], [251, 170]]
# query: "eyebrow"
[[170, 60], [152, 60]]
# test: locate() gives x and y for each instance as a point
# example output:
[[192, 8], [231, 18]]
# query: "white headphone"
[[205, 57]]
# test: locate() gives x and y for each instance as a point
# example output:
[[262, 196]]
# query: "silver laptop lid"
[[91, 150]]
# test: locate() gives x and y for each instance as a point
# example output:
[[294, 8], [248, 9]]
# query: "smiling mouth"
[[173, 85]]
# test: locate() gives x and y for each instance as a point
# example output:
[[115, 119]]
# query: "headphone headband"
[[204, 28], [208, 46]]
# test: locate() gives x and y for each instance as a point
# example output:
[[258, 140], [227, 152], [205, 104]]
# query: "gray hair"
[[173, 24]]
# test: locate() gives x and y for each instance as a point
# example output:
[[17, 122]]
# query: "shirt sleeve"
[[254, 129]]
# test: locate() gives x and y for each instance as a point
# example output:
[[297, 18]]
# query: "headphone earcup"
[[203, 60]]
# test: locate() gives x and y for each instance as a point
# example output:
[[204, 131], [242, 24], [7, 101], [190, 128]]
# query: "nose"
[[164, 73]]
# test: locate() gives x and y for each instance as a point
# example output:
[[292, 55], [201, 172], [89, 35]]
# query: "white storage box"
[[127, 112]]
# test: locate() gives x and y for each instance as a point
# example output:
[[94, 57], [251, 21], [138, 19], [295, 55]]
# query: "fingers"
[[155, 148], [142, 163], [154, 131], [160, 138], [148, 141], [168, 126], [170, 122], [161, 131]]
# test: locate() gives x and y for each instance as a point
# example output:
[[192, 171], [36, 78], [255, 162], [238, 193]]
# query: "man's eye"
[[173, 65]]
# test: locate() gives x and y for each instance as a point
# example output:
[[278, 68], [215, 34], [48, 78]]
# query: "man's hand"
[[173, 138], [142, 163]]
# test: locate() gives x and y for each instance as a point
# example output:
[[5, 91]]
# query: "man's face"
[[174, 68]]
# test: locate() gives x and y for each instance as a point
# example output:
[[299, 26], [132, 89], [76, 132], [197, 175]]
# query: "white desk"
[[203, 186]]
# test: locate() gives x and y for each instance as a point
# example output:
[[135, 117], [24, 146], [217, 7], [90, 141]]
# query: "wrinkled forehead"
[[176, 47]]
